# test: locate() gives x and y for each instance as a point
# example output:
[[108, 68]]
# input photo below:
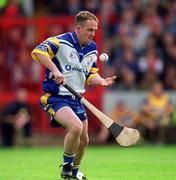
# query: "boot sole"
[[67, 177]]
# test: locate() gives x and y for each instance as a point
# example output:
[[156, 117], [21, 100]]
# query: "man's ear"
[[78, 28]]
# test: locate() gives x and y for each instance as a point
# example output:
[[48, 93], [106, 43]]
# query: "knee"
[[84, 141], [76, 128]]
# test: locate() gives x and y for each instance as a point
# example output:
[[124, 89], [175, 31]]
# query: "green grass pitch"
[[100, 163]]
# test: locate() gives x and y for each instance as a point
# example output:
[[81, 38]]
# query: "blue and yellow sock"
[[68, 158], [75, 169]]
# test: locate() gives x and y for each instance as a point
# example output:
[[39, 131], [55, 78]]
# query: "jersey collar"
[[74, 37]]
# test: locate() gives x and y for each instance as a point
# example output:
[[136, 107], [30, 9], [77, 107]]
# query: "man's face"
[[158, 89], [86, 32]]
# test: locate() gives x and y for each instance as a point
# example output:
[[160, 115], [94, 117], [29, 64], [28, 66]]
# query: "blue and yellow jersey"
[[158, 103], [78, 64]]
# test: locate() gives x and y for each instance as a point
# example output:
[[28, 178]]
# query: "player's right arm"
[[44, 53], [46, 61]]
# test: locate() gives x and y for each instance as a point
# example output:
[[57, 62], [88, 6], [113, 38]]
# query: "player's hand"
[[108, 81], [58, 77]]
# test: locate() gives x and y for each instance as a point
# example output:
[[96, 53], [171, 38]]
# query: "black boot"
[[67, 171]]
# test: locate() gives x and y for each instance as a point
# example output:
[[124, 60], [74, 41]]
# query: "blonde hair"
[[83, 16]]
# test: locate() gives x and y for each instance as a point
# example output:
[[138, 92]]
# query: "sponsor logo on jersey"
[[42, 47], [70, 68]]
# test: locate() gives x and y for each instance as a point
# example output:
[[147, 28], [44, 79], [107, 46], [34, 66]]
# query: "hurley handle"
[[72, 91]]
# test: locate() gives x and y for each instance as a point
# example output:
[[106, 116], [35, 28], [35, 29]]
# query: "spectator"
[[155, 114], [21, 69], [127, 59], [121, 114], [127, 21], [169, 80], [109, 17], [148, 81], [90, 5], [10, 51], [169, 19], [73, 6], [141, 33], [16, 116], [127, 81], [168, 41], [122, 52], [151, 63]]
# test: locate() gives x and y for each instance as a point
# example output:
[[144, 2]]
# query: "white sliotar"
[[104, 57]]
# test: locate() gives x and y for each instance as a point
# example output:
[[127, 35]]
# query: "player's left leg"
[[84, 140]]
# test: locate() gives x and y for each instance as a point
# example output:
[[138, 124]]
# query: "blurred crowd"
[[139, 36], [16, 66], [142, 44]]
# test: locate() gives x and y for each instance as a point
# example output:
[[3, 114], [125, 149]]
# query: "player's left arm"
[[94, 77], [98, 80]]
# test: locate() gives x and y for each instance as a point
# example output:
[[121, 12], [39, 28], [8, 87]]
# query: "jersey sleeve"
[[93, 72], [94, 69], [49, 48]]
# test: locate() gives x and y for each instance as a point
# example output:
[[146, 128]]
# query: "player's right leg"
[[68, 119]]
